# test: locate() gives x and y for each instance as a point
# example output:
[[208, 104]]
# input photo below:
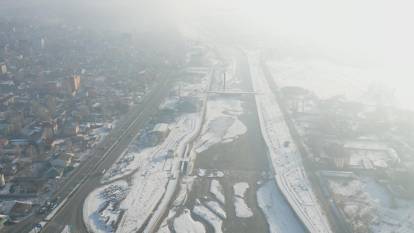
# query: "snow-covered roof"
[[161, 127]]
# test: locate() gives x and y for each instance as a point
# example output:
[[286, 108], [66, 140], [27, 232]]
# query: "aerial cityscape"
[[204, 117]]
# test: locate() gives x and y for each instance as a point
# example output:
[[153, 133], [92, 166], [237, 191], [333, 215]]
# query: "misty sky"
[[360, 31]]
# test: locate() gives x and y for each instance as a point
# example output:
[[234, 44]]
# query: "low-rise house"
[[62, 160], [21, 209], [5, 128], [28, 185], [3, 219], [71, 129], [39, 167], [54, 173]]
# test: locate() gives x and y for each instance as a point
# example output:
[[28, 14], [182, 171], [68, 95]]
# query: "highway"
[[87, 176]]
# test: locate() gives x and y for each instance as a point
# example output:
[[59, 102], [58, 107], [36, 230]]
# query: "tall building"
[[2, 181], [3, 68], [42, 43], [72, 84]]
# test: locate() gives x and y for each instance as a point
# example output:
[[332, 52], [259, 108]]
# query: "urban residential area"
[[142, 116]]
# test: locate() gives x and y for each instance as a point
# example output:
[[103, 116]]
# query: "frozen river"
[[242, 160]]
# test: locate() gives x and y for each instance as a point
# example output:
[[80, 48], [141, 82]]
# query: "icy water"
[[243, 160]]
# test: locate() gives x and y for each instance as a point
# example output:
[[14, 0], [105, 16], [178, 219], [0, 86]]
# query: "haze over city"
[[206, 116]]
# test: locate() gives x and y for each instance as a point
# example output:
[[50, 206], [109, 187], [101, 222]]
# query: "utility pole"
[[224, 81]]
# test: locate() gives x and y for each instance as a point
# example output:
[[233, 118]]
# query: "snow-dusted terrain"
[[153, 171], [240, 205], [367, 202], [151, 181], [286, 159], [242, 210], [221, 124], [216, 208], [240, 189], [328, 78], [217, 190], [279, 215], [206, 214], [100, 213], [186, 224]]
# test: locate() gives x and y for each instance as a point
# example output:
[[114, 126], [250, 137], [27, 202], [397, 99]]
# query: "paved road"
[[90, 170], [71, 213]]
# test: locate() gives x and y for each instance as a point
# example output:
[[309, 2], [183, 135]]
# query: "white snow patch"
[[216, 174], [169, 103], [240, 189], [222, 124], [279, 215], [327, 78], [129, 162], [216, 208], [153, 179], [201, 172], [186, 224], [217, 190], [164, 229], [242, 210], [99, 212], [204, 213], [366, 197], [240, 205]]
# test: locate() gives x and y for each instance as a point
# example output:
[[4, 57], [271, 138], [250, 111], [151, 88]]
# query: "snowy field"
[[366, 203], [221, 124], [186, 224], [328, 78], [209, 216], [209, 173], [150, 171], [240, 205], [286, 160], [150, 182], [101, 213], [216, 208], [217, 190], [278, 213]]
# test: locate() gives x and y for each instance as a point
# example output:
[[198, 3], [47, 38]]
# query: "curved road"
[[90, 171], [71, 213]]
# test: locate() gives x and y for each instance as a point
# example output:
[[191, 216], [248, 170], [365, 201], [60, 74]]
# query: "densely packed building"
[[62, 88]]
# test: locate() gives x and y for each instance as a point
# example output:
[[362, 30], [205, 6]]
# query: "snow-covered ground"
[[286, 160], [242, 210], [149, 183], [153, 171], [206, 214], [209, 173], [240, 189], [221, 124], [323, 77], [128, 162], [328, 78], [217, 190], [154, 168], [279, 215], [194, 89], [100, 210], [186, 224], [216, 208], [368, 204], [370, 154], [240, 205], [66, 229]]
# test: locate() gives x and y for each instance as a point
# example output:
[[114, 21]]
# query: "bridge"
[[233, 92]]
